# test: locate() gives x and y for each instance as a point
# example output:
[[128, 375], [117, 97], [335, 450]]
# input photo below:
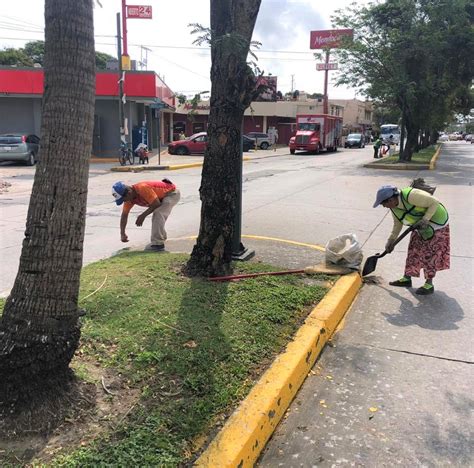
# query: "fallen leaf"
[[373, 409], [190, 344], [322, 401], [329, 377]]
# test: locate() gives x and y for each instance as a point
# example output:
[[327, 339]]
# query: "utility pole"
[[144, 62], [120, 82], [125, 58], [292, 83], [326, 75]]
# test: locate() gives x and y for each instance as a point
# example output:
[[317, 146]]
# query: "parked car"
[[18, 147], [355, 140], [468, 137], [443, 137], [248, 143], [262, 140], [197, 144]]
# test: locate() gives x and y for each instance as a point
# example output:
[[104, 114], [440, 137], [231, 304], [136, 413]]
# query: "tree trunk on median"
[[233, 87], [39, 329]]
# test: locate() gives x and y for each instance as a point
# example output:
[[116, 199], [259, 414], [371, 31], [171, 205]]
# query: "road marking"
[[286, 241], [276, 239]]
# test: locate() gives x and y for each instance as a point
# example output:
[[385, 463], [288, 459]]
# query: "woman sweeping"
[[429, 247]]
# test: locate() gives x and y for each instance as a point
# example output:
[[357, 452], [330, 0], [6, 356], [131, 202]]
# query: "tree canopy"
[[33, 52], [414, 55]]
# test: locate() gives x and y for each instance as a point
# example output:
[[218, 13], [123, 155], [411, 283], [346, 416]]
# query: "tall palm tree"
[[39, 329]]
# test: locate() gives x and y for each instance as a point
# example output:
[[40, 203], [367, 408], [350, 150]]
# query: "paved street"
[[396, 388]]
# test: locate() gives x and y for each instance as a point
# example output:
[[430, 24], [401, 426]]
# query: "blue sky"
[[283, 28]]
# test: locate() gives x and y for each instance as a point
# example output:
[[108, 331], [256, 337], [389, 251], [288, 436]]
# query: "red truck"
[[315, 132]]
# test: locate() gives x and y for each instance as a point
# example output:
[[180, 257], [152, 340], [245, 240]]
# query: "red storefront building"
[[149, 104]]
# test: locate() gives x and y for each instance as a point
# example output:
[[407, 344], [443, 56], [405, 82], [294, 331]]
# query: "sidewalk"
[[395, 388]]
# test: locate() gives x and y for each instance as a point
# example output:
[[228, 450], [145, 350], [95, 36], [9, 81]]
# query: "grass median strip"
[[422, 157], [193, 349]]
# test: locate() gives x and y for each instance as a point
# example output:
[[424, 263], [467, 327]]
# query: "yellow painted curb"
[[127, 169], [174, 167], [185, 166], [247, 431], [435, 158]]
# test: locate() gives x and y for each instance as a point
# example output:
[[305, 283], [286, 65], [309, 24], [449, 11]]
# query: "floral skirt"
[[432, 255]]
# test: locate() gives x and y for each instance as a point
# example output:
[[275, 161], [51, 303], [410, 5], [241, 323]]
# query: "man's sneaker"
[[426, 289], [155, 248], [403, 282]]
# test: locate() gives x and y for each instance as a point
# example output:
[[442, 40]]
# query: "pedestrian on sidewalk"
[[429, 247], [377, 145], [159, 197], [275, 139]]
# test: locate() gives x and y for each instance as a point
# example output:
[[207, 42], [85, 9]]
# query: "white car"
[[443, 138]]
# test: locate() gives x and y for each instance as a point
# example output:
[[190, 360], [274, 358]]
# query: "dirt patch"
[[4, 186], [101, 403]]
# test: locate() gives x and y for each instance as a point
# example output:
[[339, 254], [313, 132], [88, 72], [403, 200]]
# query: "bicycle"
[[126, 154]]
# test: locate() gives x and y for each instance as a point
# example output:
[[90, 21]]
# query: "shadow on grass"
[[204, 352]]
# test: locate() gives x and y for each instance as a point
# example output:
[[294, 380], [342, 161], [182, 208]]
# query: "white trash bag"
[[345, 251]]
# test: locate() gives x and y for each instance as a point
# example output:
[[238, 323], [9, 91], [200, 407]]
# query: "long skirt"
[[430, 255]]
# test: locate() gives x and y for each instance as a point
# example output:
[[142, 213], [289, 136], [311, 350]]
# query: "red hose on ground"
[[253, 275]]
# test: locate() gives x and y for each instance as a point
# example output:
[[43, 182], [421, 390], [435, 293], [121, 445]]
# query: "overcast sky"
[[283, 27]]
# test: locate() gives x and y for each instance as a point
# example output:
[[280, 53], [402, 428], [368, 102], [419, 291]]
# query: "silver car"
[[262, 140], [19, 148]]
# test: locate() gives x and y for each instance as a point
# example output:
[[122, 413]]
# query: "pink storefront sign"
[[329, 38]]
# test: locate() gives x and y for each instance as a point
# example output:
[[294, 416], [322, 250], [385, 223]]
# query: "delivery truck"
[[316, 132]]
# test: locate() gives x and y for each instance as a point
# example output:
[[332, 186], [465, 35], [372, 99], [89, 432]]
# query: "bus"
[[390, 129]]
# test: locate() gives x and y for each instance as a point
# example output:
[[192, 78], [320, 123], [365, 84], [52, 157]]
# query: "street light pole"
[[326, 75]]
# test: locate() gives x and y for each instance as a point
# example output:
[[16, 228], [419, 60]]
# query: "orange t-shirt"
[[147, 192]]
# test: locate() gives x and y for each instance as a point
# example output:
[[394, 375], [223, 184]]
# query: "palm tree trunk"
[[39, 329], [233, 87]]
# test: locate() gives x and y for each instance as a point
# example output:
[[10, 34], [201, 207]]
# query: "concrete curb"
[[245, 434], [398, 167], [171, 167], [407, 167]]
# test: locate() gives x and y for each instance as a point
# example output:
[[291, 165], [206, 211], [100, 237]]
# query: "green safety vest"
[[410, 214]]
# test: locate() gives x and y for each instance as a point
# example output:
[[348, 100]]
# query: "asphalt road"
[[396, 387]]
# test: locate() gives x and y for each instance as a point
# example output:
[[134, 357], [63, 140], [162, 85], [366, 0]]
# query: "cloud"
[[280, 23]]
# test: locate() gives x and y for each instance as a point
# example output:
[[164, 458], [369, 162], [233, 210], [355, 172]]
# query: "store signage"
[[139, 11], [329, 38], [326, 66]]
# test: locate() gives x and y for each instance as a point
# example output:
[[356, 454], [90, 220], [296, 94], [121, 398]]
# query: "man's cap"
[[384, 193], [119, 189]]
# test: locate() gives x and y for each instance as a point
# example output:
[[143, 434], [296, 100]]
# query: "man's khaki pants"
[[160, 215]]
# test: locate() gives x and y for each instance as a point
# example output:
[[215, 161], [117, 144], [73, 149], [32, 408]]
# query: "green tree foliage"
[[101, 59], [33, 52], [15, 57], [413, 55]]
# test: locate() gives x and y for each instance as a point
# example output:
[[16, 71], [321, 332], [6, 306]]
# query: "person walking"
[[429, 247], [275, 139], [160, 197], [377, 145]]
